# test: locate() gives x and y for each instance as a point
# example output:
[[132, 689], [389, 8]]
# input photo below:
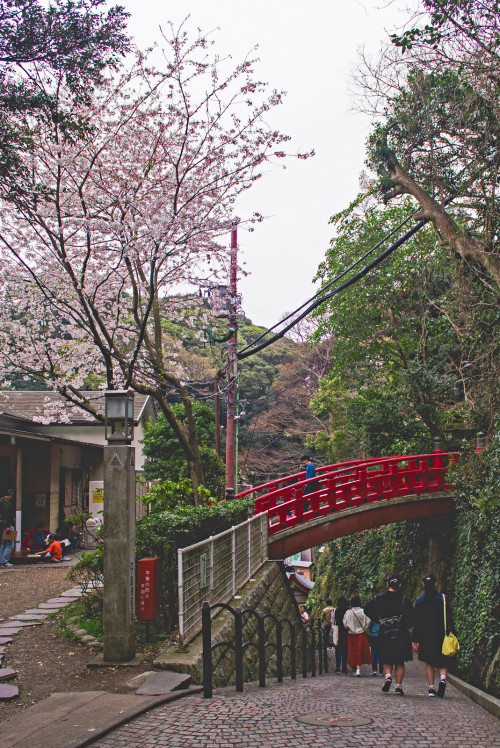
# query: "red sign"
[[148, 588]]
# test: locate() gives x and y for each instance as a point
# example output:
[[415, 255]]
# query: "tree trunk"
[[466, 246]]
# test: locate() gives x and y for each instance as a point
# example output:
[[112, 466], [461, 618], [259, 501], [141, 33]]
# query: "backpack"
[[390, 628]]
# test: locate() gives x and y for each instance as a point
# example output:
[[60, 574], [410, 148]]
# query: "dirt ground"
[[46, 661]]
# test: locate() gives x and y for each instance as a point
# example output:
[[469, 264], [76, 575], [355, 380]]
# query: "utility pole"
[[217, 414], [232, 371]]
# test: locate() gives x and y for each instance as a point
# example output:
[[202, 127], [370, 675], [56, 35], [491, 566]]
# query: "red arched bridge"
[[352, 496]]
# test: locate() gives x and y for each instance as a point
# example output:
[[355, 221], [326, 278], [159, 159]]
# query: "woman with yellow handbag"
[[433, 623]]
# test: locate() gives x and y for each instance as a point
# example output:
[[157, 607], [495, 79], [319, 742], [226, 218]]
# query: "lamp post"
[[119, 528]]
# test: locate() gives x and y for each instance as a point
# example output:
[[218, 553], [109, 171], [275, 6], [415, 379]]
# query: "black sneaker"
[[441, 688], [387, 685], [399, 691], [337, 670], [374, 672], [432, 692]]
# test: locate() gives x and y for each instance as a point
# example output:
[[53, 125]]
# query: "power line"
[[252, 348], [334, 280]]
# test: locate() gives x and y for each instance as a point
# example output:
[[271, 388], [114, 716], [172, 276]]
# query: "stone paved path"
[[32, 617], [267, 718]]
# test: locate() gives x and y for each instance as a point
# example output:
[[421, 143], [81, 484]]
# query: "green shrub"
[[162, 533]]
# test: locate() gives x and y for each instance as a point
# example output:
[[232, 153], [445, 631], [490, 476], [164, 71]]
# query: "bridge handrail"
[[319, 472], [354, 484]]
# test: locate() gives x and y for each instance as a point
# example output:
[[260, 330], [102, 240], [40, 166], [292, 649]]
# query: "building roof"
[[52, 408]]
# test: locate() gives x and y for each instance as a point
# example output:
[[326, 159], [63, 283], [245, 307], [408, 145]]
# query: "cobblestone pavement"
[[267, 718]]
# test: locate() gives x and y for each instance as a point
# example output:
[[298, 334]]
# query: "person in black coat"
[[394, 614], [341, 646], [429, 632]]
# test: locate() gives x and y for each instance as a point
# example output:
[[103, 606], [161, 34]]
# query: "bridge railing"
[[216, 568], [288, 480], [351, 485]]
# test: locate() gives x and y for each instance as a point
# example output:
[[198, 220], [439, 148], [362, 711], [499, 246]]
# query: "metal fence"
[[216, 568]]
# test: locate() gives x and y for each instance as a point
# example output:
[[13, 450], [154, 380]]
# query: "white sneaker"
[[357, 674], [7, 564]]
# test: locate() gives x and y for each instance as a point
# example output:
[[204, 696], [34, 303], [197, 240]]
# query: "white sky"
[[309, 50]]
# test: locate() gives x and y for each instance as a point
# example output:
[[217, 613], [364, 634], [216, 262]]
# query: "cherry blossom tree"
[[118, 223]]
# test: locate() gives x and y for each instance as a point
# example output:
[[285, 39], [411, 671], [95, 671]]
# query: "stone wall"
[[268, 592]]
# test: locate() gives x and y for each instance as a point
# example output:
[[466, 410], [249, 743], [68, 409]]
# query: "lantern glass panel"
[[115, 407]]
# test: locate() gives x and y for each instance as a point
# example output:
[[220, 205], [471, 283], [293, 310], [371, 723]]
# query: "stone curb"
[[490, 703], [132, 713]]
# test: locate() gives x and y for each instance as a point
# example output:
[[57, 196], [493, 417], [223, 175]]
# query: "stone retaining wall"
[[268, 592]]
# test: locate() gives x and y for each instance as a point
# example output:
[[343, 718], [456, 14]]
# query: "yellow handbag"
[[450, 642]]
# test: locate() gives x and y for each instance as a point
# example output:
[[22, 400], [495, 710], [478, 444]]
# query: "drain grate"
[[323, 719]]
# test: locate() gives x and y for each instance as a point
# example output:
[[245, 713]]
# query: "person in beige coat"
[[357, 623]]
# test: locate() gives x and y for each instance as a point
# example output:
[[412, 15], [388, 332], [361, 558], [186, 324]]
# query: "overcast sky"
[[309, 50]]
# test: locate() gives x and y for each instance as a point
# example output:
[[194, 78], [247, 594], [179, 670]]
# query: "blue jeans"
[[6, 547], [341, 658]]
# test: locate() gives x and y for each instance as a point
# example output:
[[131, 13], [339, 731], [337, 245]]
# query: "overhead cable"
[[252, 348]]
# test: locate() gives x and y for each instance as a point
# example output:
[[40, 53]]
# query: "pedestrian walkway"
[[271, 718], [31, 617]]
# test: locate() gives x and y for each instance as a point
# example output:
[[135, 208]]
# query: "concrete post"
[[119, 553]]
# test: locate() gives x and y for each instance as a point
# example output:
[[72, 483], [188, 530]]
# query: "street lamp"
[[119, 528], [119, 416]]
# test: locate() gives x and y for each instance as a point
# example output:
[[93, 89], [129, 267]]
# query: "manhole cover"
[[334, 720]]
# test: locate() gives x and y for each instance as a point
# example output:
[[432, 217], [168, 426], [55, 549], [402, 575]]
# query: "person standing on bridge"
[[429, 632], [310, 473], [394, 613]]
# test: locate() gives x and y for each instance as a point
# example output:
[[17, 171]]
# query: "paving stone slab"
[[5, 639], [52, 606], [2, 650], [9, 629], [65, 716], [29, 617], [161, 683], [63, 600], [22, 624], [71, 593], [8, 692], [7, 673]]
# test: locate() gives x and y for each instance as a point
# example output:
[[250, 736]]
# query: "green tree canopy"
[[66, 43], [405, 359], [165, 459]]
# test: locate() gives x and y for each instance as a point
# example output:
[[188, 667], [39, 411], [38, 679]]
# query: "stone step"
[[7, 673], [52, 606], [164, 682], [8, 692], [29, 617]]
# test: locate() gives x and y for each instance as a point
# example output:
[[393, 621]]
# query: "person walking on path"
[[326, 620], [394, 613], [341, 648], [428, 633], [373, 638], [7, 522], [357, 623]]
